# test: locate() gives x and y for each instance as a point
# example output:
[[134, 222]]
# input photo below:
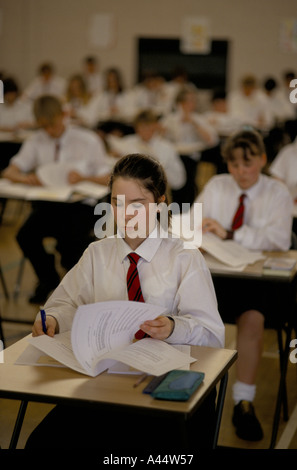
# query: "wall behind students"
[[33, 31]]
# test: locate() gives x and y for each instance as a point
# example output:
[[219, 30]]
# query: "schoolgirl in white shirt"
[[170, 275]]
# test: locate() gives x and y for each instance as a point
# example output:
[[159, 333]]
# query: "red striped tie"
[[238, 217], [133, 285]]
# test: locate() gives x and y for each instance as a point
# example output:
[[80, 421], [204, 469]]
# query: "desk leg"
[[283, 355], [282, 390], [219, 408], [18, 425]]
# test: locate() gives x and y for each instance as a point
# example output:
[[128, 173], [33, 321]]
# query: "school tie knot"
[[133, 257], [241, 198]]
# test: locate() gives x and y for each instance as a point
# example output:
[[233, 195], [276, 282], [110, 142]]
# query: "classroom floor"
[[10, 257]]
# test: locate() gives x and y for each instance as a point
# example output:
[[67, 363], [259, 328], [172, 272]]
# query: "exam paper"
[[99, 327], [41, 193], [32, 356], [121, 368], [59, 347], [228, 251], [152, 356], [103, 334], [58, 193]]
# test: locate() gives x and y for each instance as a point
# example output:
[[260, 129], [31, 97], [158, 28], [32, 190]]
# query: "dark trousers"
[[79, 428], [69, 223]]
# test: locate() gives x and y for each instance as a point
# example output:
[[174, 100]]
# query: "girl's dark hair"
[[248, 140], [144, 168]]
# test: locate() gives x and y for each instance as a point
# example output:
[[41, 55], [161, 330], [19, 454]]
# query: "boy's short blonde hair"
[[47, 108]]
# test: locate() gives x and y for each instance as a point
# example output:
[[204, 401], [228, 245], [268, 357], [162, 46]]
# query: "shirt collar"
[[146, 250], [60, 139], [63, 137], [252, 192]]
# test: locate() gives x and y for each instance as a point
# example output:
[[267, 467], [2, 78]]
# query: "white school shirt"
[[170, 275], [287, 109], [56, 86], [157, 147], [99, 108], [224, 123], [284, 166], [268, 208], [17, 113], [94, 82], [183, 133], [80, 147], [251, 109]]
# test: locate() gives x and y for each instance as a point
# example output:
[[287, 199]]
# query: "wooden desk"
[[254, 271], [285, 322], [62, 385]]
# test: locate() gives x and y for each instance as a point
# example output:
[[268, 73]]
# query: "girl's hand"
[[160, 328], [51, 326]]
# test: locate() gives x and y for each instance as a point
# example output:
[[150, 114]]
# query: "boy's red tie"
[[239, 214]]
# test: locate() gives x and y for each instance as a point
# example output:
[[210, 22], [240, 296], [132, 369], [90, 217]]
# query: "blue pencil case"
[[178, 385]]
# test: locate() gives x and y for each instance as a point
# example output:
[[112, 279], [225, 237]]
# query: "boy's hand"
[[211, 225]]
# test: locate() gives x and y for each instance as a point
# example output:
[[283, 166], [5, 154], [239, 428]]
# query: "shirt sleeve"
[[198, 321], [99, 161], [275, 233], [202, 122], [174, 167], [26, 158], [278, 167]]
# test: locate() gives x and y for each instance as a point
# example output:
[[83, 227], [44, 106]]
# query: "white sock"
[[243, 391]]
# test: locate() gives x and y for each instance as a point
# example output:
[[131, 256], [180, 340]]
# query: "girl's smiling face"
[[134, 209]]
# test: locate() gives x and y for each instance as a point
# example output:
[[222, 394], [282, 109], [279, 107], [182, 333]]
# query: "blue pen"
[[43, 320]]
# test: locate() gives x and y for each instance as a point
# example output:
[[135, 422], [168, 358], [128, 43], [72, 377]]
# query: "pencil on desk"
[[140, 380]]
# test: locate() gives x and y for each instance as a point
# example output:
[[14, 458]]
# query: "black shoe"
[[246, 422], [42, 292]]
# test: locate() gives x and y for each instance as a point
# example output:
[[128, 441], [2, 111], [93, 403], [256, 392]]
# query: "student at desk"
[[255, 211], [56, 144], [169, 275], [147, 139], [190, 132], [15, 115]]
